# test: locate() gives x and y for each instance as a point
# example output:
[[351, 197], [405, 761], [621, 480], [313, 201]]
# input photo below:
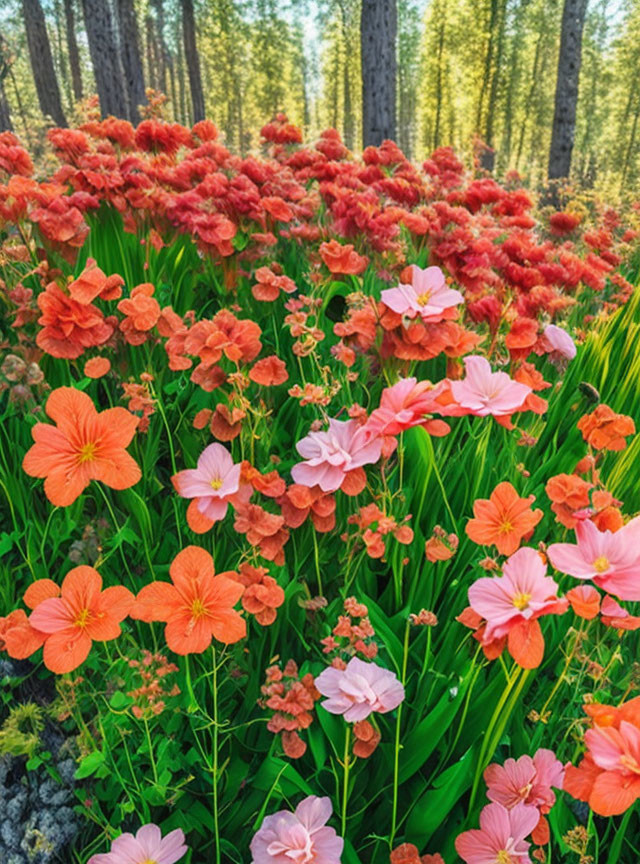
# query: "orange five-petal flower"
[[504, 519], [197, 607], [84, 445], [83, 613]]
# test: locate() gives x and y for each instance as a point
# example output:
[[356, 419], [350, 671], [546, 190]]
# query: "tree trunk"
[[44, 75], [23, 117], [436, 128], [378, 26], [193, 60], [5, 113], [564, 118], [348, 121], [63, 67], [161, 51], [105, 58], [72, 50], [131, 59]]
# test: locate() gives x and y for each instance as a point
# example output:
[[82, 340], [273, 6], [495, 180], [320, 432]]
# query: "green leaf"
[[90, 764]]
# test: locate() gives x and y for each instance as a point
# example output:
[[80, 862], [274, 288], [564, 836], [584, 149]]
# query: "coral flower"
[[147, 847], [608, 777], [302, 837], [500, 838], [407, 853], [212, 484], [83, 446], [611, 559], [427, 296], [359, 690], [82, 614], [342, 259], [483, 392], [504, 519], [512, 603], [404, 405], [332, 455], [96, 367], [68, 326], [197, 607], [603, 429]]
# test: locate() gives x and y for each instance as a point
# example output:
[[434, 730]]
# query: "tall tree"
[[378, 28], [72, 49], [105, 58], [193, 59], [564, 118], [131, 59], [44, 74], [5, 68]]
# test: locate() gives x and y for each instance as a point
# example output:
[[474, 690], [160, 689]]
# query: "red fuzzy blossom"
[[342, 259], [292, 700], [262, 594], [563, 223], [270, 282], [270, 371], [69, 327]]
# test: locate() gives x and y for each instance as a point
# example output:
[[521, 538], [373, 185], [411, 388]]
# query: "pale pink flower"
[[298, 838], [610, 558], [500, 838], [359, 690], [147, 847], [557, 341], [402, 406], [329, 456], [428, 296], [524, 592], [525, 780], [214, 482], [484, 392]]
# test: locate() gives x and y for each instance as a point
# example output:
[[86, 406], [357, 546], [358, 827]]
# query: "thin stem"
[[396, 756], [317, 560], [116, 526], [151, 756], [216, 827], [345, 782]]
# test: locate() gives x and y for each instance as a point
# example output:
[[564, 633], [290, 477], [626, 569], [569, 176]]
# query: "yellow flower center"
[[521, 601], [198, 609], [82, 618], [601, 564], [87, 452], [216, 483], [423, 299], [506, 527], [149, 861], [503, 857]]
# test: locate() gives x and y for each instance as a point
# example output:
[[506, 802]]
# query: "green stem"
[[345, 782], [216, 827], [116, 526], [317, 560], [396, 757], [151, 756]]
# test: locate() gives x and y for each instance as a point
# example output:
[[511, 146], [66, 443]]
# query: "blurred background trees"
[[428, 72]]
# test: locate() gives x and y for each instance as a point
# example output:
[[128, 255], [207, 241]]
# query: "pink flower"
[[298, 838], [557, 341], [611, 559], [359, 690], [500, 839], [213, 482], [147, 846], [402, 406], [330, 456], [484, 392], [526, 780], [524, 592], [428, 296]]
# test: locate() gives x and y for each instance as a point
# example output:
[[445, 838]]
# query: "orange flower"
[[262, 594], [342, 259], [68, 327], [92, 283], [142, 312], [197, 607], [82, 614], [97, 367], [567, 493], [270, 371], [504, 519], [585, 601], [606, 430], [84, 445]]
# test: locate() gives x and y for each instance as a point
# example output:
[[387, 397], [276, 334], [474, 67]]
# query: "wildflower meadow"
[[318, 495]]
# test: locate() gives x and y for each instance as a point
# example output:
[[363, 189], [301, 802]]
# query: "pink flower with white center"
[[611, 559], [500, 838], [558, 342], [428, 296], [302, 837], [359, 690], [147, 847], [330, 456], [524, 592], [214, 482], [526, 780], [483, 392]]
